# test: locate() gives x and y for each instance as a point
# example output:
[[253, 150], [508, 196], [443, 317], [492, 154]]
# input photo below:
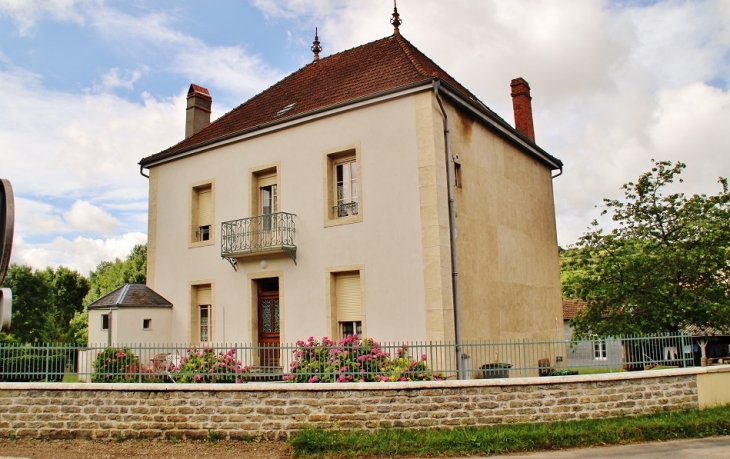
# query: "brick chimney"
[[197, 115], [522, 105]]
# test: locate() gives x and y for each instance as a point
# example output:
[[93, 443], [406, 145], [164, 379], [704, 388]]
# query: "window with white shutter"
[[348, 303], [202, 214]]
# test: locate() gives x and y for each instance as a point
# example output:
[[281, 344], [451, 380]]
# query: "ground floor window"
[[348, 303], [105, 321], [599, 349], [350, 328], [201, 314], [204, 323]]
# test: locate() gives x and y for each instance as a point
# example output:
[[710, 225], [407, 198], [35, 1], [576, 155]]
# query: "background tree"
[[50, 305], [110, 275], [44, 302], [105, 278], [666, 265]]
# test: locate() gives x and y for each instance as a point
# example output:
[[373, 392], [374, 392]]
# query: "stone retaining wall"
[[275, 411]]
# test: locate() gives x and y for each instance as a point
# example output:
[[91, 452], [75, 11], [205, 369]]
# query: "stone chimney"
[[197, 115], [522, 105]]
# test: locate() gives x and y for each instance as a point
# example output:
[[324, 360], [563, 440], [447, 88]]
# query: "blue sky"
[[92, 86]]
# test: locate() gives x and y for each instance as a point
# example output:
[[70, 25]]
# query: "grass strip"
[[511, 438]]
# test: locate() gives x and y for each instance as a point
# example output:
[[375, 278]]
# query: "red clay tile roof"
[[571, 306], [373, 68]]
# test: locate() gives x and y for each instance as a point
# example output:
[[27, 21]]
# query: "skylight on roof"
[[284, 110]]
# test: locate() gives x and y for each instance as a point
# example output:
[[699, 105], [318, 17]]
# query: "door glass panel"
[[276, 315], [266, 316], [268, 206]]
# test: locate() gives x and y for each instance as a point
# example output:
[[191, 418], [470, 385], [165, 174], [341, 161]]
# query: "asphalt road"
[[701, 448]]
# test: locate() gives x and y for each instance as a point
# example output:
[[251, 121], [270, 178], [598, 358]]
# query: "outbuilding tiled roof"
[[373, 68], [571, 306], [131, 296]]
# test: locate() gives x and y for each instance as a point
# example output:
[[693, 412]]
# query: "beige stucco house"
[[320, 207]]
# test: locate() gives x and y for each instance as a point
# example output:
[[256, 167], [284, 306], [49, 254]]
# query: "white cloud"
[[88, 218], [81, 253], [37, 218], [26, 13], [85, 144], [115, 78], [232, 68]]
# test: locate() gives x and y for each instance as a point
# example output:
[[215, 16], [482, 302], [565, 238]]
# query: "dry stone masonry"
[[276, 411]]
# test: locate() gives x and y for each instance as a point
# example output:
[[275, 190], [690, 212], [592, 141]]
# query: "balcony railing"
[[345, 209], [264, 233]]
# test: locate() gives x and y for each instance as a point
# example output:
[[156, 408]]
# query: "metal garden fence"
[[312, 361]]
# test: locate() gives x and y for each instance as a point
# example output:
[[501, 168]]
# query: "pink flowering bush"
[[354, 360], [205, 366], [114, 364]]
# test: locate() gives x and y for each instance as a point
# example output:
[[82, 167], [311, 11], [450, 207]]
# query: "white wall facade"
[[127, 326], [385, 245]]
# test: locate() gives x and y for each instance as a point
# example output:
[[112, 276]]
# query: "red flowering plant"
[[354, 360], [207, 366], [114, 364]]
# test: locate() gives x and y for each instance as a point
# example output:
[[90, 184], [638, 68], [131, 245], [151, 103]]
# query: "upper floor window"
[[202, 214], [105, 321], [343, 187], [458, 183]]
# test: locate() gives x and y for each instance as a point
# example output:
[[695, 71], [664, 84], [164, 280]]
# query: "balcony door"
[[268, 319], [268, 206]]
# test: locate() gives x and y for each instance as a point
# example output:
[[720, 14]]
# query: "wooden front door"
[[268, 314]]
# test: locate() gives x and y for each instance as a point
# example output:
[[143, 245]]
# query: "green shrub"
[[28, 365], [115, 365]]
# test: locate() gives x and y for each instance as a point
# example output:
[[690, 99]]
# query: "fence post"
[[47, 359], [608, 356], [524, 358]]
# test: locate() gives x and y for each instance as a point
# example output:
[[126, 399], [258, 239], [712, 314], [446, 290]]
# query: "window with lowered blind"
[[202, 314], [348, 303], [205, 214], [202, 214]]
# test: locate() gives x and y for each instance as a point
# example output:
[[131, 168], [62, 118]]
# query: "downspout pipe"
[[461, 371], [141, 171]]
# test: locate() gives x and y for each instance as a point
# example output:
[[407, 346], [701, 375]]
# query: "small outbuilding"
[[133, 313]]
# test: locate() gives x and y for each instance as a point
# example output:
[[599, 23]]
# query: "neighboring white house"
[[320, 207], [131, 314]]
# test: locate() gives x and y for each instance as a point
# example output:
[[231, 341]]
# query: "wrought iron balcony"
[[255, 235], [345, 209]]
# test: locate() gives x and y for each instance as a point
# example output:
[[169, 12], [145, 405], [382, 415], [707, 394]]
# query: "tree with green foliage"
[[665, 266], [110, 275], [44, 302]]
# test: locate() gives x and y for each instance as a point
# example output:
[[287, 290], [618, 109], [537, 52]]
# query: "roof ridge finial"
[[396, 20], [316, 48]]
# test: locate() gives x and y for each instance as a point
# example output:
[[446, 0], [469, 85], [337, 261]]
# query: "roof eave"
[[300, 118], [500, 125]]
